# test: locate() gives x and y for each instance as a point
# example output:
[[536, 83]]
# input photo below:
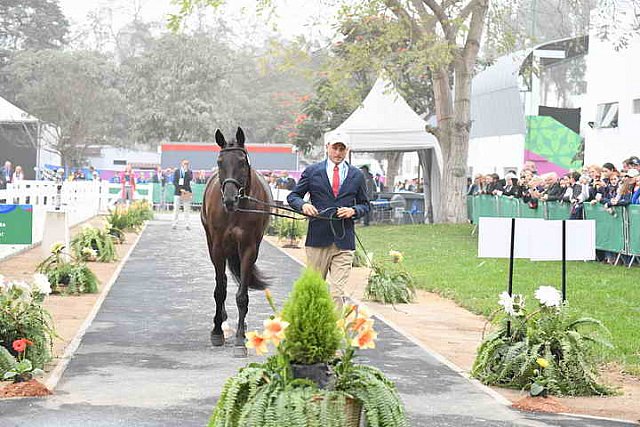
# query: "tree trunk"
[[394, 159], [454, 120]]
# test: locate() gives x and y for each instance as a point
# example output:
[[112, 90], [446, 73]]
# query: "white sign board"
[[536, 239]]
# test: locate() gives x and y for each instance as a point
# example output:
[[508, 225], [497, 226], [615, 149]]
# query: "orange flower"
[[361, 324], [21, 344], [274, 330], [365, 339], [257, 342]]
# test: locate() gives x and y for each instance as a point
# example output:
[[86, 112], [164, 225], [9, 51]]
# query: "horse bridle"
[[234, 181]]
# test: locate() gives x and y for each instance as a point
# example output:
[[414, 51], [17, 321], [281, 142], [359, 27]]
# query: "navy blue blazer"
[[314, 180]]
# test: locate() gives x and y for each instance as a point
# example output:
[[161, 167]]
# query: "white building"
[[611, 109]]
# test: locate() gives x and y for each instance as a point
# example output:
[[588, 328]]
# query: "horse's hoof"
[[240, 351], [217, 340]]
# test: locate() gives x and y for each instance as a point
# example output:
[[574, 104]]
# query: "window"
[[120, 162], [607, 115], [636, 106]]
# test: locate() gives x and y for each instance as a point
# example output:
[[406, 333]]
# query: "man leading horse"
[[338, 195]]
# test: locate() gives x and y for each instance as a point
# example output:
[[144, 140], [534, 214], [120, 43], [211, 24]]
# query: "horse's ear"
[[240, 137], [220, 139]]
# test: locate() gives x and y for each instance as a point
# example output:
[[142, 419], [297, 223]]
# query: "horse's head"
[[233, 169]]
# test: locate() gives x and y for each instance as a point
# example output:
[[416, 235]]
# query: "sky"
[[295, 17]]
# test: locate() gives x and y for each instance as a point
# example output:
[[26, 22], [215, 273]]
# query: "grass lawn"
[[443, 259]]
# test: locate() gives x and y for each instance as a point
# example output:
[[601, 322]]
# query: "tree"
[[74, 91], [183, 87], [31, 24]]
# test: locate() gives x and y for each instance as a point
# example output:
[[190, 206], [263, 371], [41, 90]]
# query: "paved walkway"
[[146, 360]]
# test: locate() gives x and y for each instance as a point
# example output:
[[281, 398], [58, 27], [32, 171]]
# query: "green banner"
[[16, 222], [140, 191], [527, 212], [508, 207], [486, 206], [169, 189], [634, 229], [557, 211], [609, 227]]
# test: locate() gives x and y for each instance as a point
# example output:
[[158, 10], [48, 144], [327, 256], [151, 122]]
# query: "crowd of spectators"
[[594, 184]]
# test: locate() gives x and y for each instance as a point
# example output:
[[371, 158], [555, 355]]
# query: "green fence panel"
[[634, 229], [526, 212], [16, 222], [609, 227], [557, 211], [486, 206], [169, 190], [507, 207]]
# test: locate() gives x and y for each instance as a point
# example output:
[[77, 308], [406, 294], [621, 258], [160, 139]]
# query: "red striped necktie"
[[336, 181]]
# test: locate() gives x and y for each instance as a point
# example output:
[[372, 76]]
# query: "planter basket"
[[352, 412]]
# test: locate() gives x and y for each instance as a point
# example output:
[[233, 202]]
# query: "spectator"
[[370, 191], [530, 166], [635, 197], [477, 186], [93, 174], [18, 175], [379, 183], [7, 171], [128, 188], [201, 178]]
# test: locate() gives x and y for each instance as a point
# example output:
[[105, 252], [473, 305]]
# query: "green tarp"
[[634, 229], [610, 228], [558, 211], [198, 193]]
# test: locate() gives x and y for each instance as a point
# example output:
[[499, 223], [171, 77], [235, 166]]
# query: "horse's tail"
[[256, 281]]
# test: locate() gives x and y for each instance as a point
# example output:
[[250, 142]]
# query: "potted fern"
[[330, 389], [546, 350]]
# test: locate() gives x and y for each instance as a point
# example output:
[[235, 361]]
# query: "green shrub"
[[361, 259], [70, 277], [291, 229], [23, 316], [96, 240], [312, 335], [390, 285], [511, 357]]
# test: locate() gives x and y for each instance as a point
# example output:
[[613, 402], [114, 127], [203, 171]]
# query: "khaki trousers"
[[334, 264]]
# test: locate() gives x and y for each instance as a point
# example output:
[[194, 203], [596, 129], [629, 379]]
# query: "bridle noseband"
[[234, 181]]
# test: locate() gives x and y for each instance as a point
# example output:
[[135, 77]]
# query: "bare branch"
[[468, 9], [402, 14], [476, 26], [443, 19]]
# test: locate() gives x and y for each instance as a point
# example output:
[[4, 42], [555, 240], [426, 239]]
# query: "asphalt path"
[[146, 359]]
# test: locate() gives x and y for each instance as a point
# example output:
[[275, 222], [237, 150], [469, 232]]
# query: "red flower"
[[21, 344]]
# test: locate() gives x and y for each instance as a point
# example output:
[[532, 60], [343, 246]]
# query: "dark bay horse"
[[234, 236]]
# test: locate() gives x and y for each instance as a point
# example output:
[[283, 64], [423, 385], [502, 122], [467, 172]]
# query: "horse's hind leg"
[[220, 295], [248, 257]]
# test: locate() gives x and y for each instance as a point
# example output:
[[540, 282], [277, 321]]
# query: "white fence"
[[82, 200]]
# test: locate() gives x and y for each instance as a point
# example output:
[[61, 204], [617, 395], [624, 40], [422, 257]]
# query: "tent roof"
[[9, 113], [385, 122]]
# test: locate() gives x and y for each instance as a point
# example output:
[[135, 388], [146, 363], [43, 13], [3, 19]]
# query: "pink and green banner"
[[551, 145]]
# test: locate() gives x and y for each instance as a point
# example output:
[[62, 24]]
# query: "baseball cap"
[[332, 138], [632, 173]]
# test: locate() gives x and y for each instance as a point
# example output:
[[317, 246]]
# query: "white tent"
[[385, 122], [26, 140], [9, 113]]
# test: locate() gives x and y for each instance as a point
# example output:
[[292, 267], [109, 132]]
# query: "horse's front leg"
[[248, 256], [220, 295]]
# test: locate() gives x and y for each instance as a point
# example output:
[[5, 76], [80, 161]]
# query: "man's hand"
[[346, 212], [309, 209]]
